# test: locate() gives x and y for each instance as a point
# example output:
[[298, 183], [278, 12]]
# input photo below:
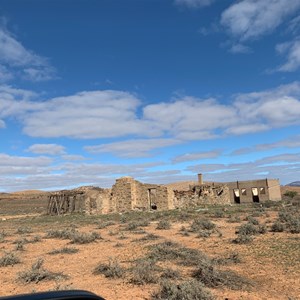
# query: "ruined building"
[[254, 190], [128, 194]]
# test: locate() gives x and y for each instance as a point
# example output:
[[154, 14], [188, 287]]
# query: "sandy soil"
[[271, 262]]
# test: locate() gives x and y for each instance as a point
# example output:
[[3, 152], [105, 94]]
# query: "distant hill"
[[295, 183]]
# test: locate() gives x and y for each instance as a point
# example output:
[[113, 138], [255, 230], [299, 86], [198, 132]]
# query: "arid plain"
[[233, 252]]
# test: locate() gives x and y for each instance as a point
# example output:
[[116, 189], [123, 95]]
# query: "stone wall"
[[122, 195], [129, 194], [254, 190], [97, 201], [201, 195]]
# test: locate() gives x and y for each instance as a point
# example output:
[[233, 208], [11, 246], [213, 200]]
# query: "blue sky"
[[92, 90]]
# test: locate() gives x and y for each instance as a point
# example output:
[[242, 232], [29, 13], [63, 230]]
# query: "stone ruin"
[[202, 194], [128, 194]]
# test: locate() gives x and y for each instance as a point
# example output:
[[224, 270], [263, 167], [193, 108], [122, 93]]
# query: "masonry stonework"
[[203, 194], [128, 194]]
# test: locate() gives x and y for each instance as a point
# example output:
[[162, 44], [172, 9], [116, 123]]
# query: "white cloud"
[[23, 161], [5, 74], [291, 142], [16, 102], [73, 157], [194, 3], [110, 114], [190, 115], [249, 128], [273, 108], [196, 156], [284, 166], [133, 148], [20, 173], [239, 48], [294, 25], [39, 74], [251, 19], [17, 59], [292, 52], [2, 124], [87, 115], [51, 149]]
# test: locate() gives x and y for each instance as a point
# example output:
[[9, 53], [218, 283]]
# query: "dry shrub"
[[24, 230], [173, 251], [65, 250], [188, 290], [144, 272], [84, 238], [102, 225], [210, 276], [234, 219], [202, 224], [170, 274], [243, 239], [64, 234], [37, 273], [19, 246], [9, 259], [252, 220], [247, 229], [148, 237], [277, 226], [112, 269], [232, 258], [163, 225]]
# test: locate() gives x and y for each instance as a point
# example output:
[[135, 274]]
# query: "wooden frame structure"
[[65, 201]]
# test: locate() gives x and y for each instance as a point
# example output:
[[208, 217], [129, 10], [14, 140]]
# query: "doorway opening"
[[255, 196], [236, 196], [152, 199]]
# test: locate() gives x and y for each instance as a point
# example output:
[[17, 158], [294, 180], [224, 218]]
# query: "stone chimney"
[[200, 179]]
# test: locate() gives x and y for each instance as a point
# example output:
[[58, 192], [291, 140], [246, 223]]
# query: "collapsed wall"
[[202, 194]]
